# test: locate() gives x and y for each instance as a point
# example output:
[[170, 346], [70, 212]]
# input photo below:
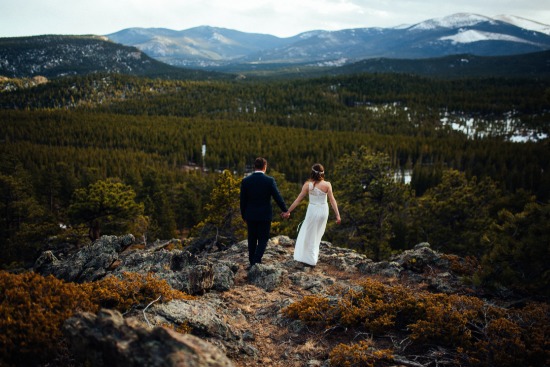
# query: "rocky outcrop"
[[239, 311], [109, 340], [113, 255], [89, 264], [181, 269], [421, 264]]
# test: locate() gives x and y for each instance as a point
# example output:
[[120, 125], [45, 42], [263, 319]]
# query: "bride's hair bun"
[[317, 172]]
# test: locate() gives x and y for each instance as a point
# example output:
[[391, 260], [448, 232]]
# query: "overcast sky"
[[283, 18]]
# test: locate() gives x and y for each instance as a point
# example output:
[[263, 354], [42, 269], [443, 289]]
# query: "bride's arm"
[[333, 203], [301, 195]]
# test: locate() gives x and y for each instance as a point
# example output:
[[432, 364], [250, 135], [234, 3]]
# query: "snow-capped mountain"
[[458, 20], [461, 33], [199, 46], [525, 23]]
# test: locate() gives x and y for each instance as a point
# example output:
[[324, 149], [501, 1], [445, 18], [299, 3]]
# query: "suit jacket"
[[256, 192]]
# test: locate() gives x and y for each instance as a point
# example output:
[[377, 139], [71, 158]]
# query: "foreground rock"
[[108, 340], [238, 315]]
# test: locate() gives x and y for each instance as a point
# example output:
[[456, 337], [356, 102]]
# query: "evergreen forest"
[[412, 159]]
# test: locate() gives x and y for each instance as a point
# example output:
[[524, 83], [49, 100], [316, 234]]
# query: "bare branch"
[[406, 362], [145, 309]]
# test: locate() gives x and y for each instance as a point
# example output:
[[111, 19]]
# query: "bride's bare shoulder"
[[324, 185]]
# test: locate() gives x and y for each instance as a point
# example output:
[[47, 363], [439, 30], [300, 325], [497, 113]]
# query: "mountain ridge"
[[58, 55], [432, 48], [461, 33], [533, 65]]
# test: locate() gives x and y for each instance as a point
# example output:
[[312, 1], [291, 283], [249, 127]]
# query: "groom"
[[256, 192]]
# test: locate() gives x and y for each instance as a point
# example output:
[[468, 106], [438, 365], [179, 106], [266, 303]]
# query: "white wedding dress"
[[312, 228]]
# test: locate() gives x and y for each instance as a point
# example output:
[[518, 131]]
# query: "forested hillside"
[[57, 56], [138, 142], [457, 66]]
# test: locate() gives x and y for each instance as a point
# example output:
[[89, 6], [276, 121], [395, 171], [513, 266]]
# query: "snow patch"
[[333, 63], [524, 23], [452, 21], [220, 38], [471, 35], [510, 127]]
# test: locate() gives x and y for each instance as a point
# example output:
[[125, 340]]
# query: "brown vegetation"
[[33, 309], [476, 333]]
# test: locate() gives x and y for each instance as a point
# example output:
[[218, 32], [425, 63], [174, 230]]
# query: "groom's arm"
[[242, 199], [277, 196]]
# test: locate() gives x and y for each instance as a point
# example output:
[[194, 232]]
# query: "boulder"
[[266, 277], [384, 268], [420, 259], [224, 275], [203, 319], [107, 339], [284, 241], [314, 283]]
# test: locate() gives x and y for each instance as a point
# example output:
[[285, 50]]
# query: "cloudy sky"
[[281, 18]]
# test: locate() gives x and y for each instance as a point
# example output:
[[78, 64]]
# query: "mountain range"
[[455, 46], [463, 33]]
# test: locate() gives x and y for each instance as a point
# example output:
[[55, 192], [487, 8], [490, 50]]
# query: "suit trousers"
[[258, 235]]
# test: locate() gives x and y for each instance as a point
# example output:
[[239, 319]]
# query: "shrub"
[[33, 309], [378, 307], [476, 333], [131, 291], [465, 266], [447, 320], [516, 338], [360, 354], [373, 305], [311, 310]]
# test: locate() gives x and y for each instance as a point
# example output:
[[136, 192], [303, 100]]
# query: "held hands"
[[285, 215]]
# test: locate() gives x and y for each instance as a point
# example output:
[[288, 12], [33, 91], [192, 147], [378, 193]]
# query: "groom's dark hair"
[[260, 163]]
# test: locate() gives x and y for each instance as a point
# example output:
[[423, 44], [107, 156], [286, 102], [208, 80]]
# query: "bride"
[[313, 227]]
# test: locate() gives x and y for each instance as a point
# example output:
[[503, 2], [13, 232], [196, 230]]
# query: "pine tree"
[[106, 205], [519, 249], [223, 219], [371, 203], [453, 215]]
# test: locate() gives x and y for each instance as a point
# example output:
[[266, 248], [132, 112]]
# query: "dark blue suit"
[[256, 192]]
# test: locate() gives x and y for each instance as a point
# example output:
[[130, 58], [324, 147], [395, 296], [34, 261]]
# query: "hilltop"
[[239, 318], [54, 56]]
